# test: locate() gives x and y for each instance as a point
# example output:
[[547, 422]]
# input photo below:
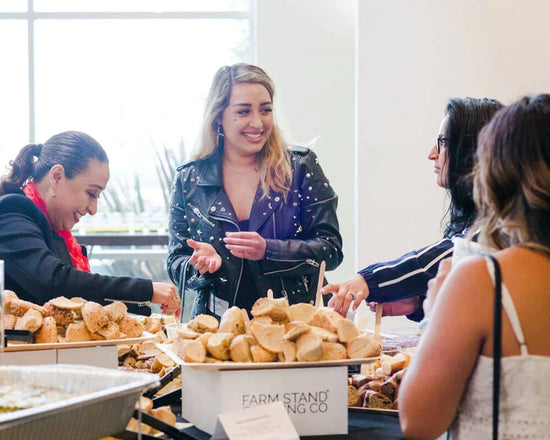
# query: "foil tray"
[[104, 409]]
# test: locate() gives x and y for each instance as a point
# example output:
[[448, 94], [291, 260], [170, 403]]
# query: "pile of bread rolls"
[[145, 355], [379, 387], [163, 413], [69, 320], [277, 332]]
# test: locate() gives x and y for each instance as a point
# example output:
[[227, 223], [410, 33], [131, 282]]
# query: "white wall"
[[308, 48], [412, 57]]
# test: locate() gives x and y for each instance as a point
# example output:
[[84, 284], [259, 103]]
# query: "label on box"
[[265, 422], [314, 398]]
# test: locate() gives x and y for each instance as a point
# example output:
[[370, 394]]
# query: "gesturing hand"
[[353, 290], [249, 245], [204, 258]]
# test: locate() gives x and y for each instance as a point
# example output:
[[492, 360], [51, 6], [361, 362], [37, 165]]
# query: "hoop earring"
[[219, 136]]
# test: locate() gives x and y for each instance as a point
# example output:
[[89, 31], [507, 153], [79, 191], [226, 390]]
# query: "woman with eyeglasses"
[[401, 284], [454, 363]]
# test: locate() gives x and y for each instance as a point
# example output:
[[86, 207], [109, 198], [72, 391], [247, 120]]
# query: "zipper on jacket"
[[200, 215], [308, 261], [129, 301]]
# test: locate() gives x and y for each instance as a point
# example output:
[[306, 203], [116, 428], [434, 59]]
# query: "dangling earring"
[[220, 136]]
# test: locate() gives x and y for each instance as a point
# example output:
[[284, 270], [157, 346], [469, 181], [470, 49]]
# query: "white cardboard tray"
[[224, 366], [59, 345]]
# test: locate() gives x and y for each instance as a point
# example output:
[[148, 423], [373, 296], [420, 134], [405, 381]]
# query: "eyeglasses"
[[440, 142]]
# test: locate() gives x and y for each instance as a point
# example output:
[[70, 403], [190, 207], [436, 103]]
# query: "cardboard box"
[[105, 356], [315, 398]]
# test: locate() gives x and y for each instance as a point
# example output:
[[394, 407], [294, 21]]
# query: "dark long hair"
[[512, 179], [71, 149], [466, 118]]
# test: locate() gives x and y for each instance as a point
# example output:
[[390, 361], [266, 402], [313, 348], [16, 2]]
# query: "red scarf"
[[75, 250]]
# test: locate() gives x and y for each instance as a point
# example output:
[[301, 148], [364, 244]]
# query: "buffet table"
[[362, 425]]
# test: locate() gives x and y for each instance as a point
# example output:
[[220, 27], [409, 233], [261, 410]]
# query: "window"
[[131, 73]]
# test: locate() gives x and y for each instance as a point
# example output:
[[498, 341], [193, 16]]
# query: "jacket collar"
[[210, 174]]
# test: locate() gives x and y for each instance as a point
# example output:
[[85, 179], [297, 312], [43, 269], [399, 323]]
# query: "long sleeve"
[[36, 272], [406, 276]]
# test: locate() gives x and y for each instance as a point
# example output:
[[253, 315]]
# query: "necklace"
[[241, 173]]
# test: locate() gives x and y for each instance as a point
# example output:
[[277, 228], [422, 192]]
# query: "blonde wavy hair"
[[274, 166], [512, 176]]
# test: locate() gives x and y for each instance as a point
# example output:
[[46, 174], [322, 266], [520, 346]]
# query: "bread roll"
[[153, 324], [204, 323], [295, 329], [333, 351], [302, 312], [239, 350], [347, 331], [269, 336], [232, 321], [218, 345], [376, 400], [353, 396], [277, 309], [7, 297], [77, 332], [116, 311], [9, 322], [309, 348], [260, 354], [48, 332], [63, 317], [363, 346], [327, 319], [131, 327], [193, 351], [19, 307], [31, 321], [111, 331], [94, 315]]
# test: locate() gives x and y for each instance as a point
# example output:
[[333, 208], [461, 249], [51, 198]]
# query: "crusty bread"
[[239, 350], [48, 332], [9, 321], [218, 345], [19, 307], [302, 312], [364, 346], [309, 347], [116, 310], [232, 321], [77, 332], [31, 321], [95, 316], [203, 324], [7, 297], [62, 317], [131, 327], [64, 303], [269, 336]]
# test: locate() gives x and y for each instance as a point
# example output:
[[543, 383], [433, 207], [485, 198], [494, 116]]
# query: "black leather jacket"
[[300, 233]]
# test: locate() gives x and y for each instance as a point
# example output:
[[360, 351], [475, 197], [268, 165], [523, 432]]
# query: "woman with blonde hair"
[[450, 381], [249, 213]]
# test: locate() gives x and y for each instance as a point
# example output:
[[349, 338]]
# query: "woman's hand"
[[167, 296], [353, 290], [435, 284], [204, 258], [398, 308], [249, 245]]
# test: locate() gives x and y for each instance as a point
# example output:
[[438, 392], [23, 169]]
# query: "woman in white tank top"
[[449, 383]]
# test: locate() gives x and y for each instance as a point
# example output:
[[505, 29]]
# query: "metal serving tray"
[[104, 409]]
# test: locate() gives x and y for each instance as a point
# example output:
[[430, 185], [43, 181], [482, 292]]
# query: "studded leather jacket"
[[300, 232]]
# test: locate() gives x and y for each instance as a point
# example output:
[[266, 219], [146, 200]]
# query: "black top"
[[38, 266], [247, 294]]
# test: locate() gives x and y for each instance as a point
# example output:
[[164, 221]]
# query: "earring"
[[53, 194], [220, 136]]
